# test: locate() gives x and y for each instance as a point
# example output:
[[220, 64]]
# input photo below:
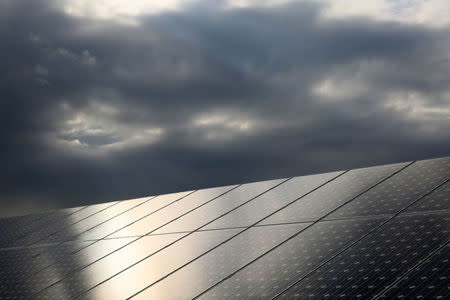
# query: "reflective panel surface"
[[438, 200], [400, 190], [366, 268], [220, 262], [271, 201], [95, 220], [95, 273], [333, 194], [270, 274], [378, 232], [170, 214], [223, 205], [429, 280], [128, 218], [14, 231], [149, 270], [68, 223]]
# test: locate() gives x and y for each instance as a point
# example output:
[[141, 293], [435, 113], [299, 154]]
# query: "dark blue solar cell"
[[398, 191], [273, 200], [333, 194], [273, 272], [439, 200], [429, 280], [378, 232], [65, 223], [14, 231], [217, 264], [367, 267], [107, 277]]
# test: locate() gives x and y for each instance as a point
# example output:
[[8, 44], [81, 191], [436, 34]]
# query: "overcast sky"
[[114, 99]]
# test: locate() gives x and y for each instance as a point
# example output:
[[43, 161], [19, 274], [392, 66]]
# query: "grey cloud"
[[206, 96]]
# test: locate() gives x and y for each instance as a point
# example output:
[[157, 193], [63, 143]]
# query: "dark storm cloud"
[[97, 110]]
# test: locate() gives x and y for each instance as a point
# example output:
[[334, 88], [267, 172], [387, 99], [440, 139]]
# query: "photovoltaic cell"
[[13, 222], [72, 210], [162, 217], [367, 267], [271, 201], [220, 262], [91, 222], [274, 271], [136, 277], [79, 273], [429, 280], [132, 216], [333, 194], [400, 190], [220, 206], [51, 260], [13, 231], [136, 243], [439, 200], [64, 223], [379, 232], [89, 211], [51, 264], [22, 266]]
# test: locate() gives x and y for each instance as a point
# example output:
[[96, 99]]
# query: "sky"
[[116, 99]]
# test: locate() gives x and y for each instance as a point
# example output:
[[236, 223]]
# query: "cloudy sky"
[[114, 99]]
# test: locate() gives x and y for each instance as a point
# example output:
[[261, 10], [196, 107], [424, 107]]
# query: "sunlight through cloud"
[[96, 129]]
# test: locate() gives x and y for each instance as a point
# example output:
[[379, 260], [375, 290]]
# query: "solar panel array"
[[378, 232]]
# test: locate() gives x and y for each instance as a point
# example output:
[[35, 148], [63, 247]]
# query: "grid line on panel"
[[188, 234], [35, 224], [60, 243], [359, 239], [28, 232], [426, 212], [81, 208], [105, 237], [49, 235], [410, 270], [224, 228], [147, 234], [104, 221], [302, 230], [241, 227], [135, 221], [75, 211], [346, 273], [238, 227], [242, 231], [447, 288]]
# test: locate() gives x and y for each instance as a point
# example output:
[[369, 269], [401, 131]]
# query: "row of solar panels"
[[360, 232]]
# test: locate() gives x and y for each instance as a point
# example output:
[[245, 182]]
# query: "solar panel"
[[379, 232], [399, 190], [14, 231], [220, 207], [105, 272], [177, 210], [334, 194], [40, 234], [221, 261], [367, 267], [437, 201], [290, 191], [272, 272], [429, 279]]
